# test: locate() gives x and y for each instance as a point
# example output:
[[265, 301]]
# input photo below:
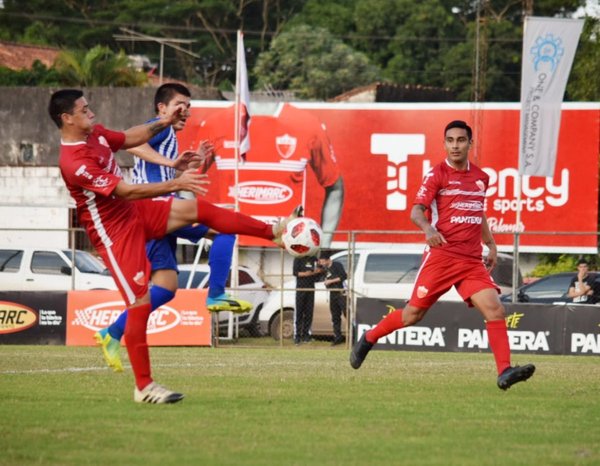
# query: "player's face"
[[457, 145], [177, 101], [81, 118]]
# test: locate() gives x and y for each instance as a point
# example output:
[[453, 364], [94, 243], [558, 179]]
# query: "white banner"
[[549, 46]]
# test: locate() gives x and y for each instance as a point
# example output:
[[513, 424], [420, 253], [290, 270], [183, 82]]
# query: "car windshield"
[[86, 263]]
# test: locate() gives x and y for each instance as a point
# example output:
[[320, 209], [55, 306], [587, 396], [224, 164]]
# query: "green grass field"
[[296, 406]]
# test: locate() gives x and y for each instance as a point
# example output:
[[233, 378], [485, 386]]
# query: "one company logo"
[[102, 315], [411, 336], [422, 291], [286, 145], [476, 206], [262, 192], [585, 343], [16, 317], [460, 219], [82, 171], [139, 278], [547, 50]]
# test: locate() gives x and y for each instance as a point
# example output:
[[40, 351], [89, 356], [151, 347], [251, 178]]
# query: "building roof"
[[21, 56]]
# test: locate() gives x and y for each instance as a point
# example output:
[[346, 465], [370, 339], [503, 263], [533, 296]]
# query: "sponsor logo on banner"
[[411, 336], [520, 340], [15, 317], [286, 145], [263, 192], [585, 343]]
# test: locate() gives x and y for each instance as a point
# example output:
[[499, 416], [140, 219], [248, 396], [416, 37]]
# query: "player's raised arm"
[[190, 180], [187, 159], [141, 134]]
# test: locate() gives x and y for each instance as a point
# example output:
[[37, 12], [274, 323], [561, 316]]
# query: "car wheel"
[[288, 325]]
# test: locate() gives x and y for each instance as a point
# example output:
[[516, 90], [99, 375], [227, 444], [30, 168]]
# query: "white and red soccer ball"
[[302, 237]]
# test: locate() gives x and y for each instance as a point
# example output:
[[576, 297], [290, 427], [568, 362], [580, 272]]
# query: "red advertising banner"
[[184, 321], [380, 152]]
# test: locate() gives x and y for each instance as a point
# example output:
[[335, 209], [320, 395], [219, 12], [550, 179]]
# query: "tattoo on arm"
[[155, 127]]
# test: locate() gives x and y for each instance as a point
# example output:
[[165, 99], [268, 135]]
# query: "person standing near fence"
[[307, 273], [581, 288], [334, 277], [454, 194]]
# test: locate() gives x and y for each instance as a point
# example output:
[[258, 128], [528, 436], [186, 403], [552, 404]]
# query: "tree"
[[584, 82], [98, 67], [312, 63]]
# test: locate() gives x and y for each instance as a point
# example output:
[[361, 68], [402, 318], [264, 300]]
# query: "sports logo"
[[82, 171], [262, 192], [139, 278], [100, 182], [102, 315], [422, 291], [480, 184], [286, 145], [16, 317]]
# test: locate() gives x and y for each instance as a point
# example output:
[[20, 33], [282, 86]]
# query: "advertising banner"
[[548, 50], [184, 321], [378, 155], [33, 317], [451, 326]]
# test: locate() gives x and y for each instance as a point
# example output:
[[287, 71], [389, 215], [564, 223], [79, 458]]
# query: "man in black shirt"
[[581, 288], [334, 277], [307, 273]]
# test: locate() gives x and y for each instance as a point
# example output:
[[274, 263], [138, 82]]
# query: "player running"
[[119, 217], [454, 193], [162, 252]]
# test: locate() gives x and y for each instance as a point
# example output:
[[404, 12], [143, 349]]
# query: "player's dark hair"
[[459, 124], [583, 261], [63, 101], [165, 93]]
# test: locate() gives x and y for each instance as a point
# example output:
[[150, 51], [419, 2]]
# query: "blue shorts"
[[162, 252]]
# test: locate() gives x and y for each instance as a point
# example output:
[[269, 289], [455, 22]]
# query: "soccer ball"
[[302, 237]]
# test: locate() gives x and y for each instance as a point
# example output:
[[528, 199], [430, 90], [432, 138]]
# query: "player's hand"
[[186, 160], [191, 180], [434, 238], [179, 112], [492, 259]]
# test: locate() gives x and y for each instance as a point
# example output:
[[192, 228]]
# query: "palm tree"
[[99, 66]]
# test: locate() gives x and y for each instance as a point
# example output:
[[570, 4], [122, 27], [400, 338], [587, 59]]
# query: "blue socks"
[[158, 297], [219, 260]]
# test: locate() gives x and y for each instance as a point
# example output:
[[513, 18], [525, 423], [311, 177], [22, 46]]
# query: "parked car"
[[378, 273], [551, 289], [51, 269], [252, 289]]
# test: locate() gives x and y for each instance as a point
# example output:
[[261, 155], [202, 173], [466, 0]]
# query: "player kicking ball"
[[454, 194], [120, 218]]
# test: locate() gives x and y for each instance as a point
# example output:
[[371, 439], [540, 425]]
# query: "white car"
[[252, 289], [377, 273], [51, 269]]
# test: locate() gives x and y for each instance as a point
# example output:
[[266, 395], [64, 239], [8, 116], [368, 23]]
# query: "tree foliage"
[[430, 42]]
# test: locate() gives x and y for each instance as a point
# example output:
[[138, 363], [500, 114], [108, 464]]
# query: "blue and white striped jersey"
[[165, 143]]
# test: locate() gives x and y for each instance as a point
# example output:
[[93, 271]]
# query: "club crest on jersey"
[[422, 291], [286, 145], [480, 184]]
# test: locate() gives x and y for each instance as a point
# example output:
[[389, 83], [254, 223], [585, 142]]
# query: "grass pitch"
[[296, 406]]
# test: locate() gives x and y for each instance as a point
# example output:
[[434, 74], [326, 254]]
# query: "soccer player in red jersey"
[[119, 217], [454, 193]]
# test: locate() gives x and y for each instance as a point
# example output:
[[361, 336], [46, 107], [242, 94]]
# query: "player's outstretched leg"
[[513, 375], [156, 394], [110, 349], [359, 351]]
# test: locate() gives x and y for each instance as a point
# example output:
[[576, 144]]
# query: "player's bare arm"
[[190, 180], [488, 240], [432, 237], [187, 159], [141, 134]]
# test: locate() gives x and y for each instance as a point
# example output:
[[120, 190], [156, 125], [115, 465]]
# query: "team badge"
[[480, 184], [286, 145], [422, 291]]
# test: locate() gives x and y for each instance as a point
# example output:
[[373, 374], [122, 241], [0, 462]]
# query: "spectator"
[[334, 276], [581, 289], [306, 273]]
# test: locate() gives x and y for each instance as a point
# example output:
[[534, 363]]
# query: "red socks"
[[229, 222], [392, 321], [137, 346], [498, 338]]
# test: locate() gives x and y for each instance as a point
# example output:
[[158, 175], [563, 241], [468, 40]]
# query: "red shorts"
[[126, 257], [439, 272]]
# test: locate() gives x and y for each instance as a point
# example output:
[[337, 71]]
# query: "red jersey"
[[282, 147], [91, 174], [456, 200]]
